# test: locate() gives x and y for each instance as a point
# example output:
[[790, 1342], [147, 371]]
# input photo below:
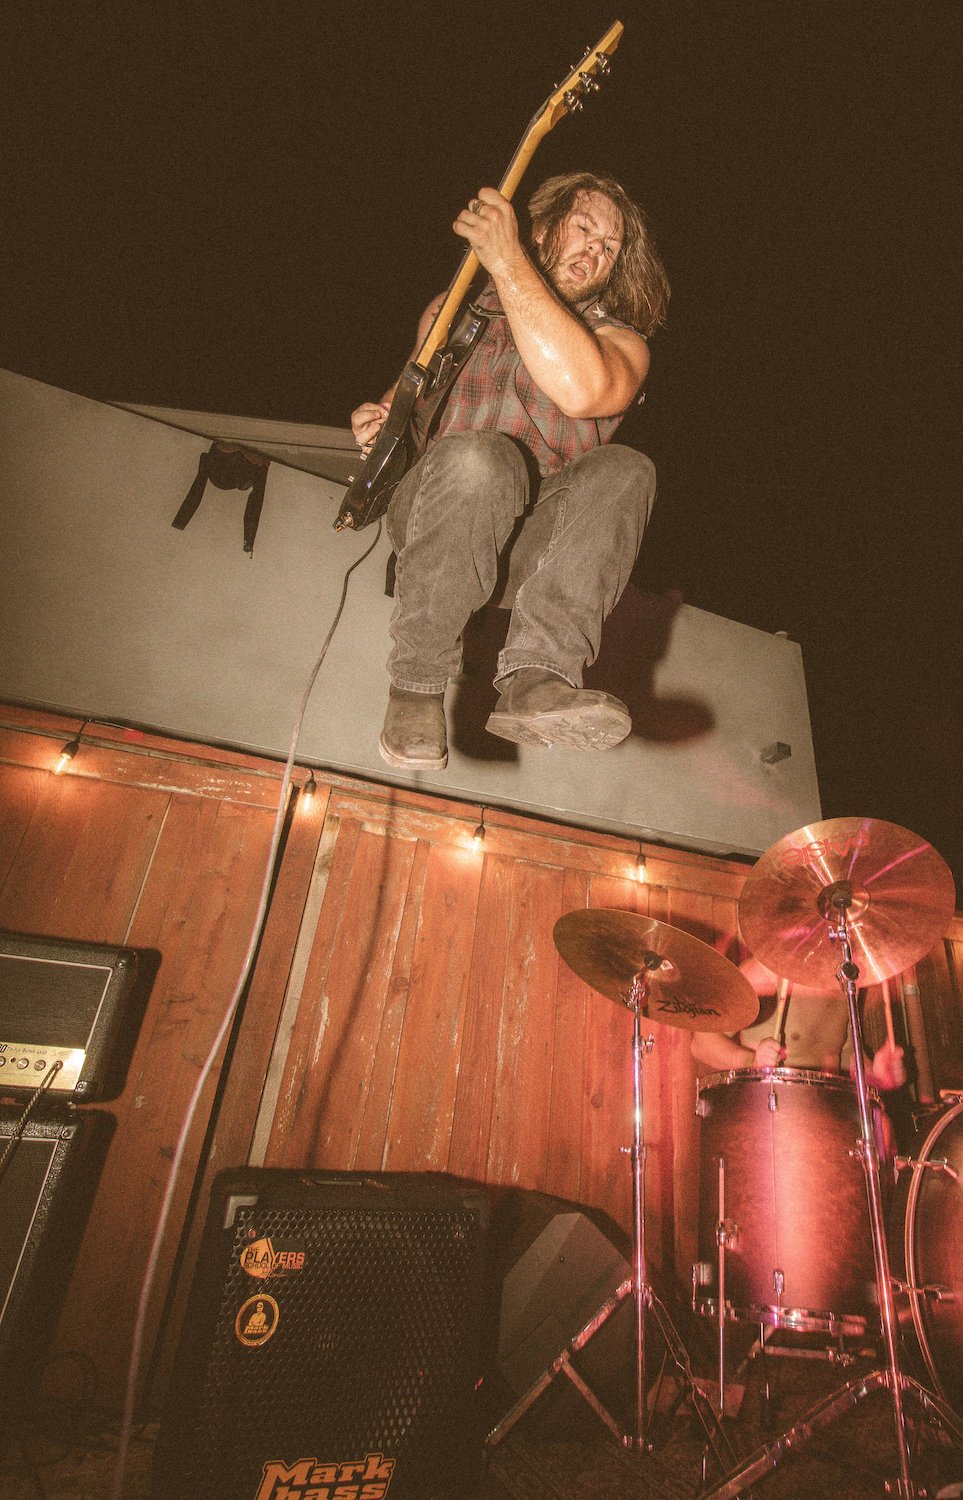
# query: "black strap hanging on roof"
[[229, 468]]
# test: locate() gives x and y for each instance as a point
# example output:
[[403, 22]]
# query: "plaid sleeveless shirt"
[[493, 392]]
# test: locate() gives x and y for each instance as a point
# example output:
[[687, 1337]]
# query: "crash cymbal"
[[690, 985], [900, 896]]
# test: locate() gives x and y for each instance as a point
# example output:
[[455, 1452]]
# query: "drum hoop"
[[909, 1249], [808, 1077], [799, 1319]]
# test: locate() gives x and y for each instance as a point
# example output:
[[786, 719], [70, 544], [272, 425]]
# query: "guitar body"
[[407, 425], [369, 493]]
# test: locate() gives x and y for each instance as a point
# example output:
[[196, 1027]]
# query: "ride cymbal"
[[690, 985], [897, 892]]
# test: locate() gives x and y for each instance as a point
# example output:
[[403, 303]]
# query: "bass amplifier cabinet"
[[334, 1342], [68, 1003], [46, 1184]]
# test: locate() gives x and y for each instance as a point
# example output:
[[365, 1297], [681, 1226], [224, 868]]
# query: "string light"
[[640, 866], [69, 750], [309, 790], [478, 837]]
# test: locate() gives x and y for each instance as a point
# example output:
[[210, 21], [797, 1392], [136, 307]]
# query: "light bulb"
[[66, 755]]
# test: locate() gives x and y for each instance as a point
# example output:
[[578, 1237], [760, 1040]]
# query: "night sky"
[[243, 209]]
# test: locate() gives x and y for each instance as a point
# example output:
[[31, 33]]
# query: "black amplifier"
[[63, 1003], [48, 1178], [333, 1343]]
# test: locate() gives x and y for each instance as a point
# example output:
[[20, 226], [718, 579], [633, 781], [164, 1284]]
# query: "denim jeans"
[[452, 516]]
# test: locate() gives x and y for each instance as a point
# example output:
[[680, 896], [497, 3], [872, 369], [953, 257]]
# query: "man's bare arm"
[[720, 1052], [585, 373]]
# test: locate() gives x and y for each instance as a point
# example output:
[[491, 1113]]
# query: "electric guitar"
[[437, 361]]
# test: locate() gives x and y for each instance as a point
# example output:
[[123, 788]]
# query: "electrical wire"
[[127, 1422], [28, 1110]]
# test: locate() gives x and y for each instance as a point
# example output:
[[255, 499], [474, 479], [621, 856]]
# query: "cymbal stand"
[[833, 903], [641, 1292]]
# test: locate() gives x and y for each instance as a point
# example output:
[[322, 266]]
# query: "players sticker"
[[262, 1259]]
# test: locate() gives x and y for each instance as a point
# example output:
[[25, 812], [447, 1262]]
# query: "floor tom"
[[783, 1193]]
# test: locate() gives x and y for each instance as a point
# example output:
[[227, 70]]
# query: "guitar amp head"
[[64, 1010]]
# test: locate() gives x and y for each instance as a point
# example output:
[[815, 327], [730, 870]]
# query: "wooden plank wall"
[[408, 1009], [162, 847], [439, 1030]]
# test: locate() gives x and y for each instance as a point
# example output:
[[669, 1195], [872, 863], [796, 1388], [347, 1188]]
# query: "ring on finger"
[[475, 206]]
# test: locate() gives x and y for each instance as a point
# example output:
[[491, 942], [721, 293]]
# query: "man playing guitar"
[[519, 451]]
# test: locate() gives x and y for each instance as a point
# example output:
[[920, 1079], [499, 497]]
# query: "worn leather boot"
[[413, 737], [537, 707]]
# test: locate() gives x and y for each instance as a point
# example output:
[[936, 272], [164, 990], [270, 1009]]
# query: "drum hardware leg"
[[835, 913], [724, 1238], [717, 1443], [766, 1387], [638, 1288], [778, 1286]]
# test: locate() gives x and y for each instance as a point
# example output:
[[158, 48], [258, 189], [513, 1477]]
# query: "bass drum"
[[926, 1246]]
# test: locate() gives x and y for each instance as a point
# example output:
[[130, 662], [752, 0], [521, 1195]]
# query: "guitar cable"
[[20, 1126], [257, 929]]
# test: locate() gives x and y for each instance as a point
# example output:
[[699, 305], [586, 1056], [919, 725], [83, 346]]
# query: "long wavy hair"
[[638, 289]]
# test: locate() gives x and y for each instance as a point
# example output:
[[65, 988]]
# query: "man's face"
[[589, 240]]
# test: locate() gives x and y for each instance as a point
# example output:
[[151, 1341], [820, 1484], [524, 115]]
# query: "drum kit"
[[793, 1206]]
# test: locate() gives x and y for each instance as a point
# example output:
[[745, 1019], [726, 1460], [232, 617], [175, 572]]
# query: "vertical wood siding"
[[440, 1031], [143, 844]]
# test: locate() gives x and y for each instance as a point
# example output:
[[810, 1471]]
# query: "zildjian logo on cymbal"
[[686, 1008]]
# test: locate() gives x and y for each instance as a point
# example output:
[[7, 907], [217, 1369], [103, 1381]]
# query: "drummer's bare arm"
[[888, 1068], [885, 1070], [720, 1052]]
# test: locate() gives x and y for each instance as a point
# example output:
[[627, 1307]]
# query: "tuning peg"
[[573, 99], [603, 62], [589, 83]]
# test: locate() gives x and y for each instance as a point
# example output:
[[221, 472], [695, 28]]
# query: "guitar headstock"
[[582, 81]]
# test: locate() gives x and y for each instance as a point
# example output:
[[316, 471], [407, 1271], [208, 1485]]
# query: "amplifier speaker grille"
[[332, 1319], [45, 1191]]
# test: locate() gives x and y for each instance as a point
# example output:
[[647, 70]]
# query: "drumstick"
[[783, 991], [888, 1012]]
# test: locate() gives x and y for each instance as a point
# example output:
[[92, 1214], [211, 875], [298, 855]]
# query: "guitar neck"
[[555, 107], [468, 269]]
